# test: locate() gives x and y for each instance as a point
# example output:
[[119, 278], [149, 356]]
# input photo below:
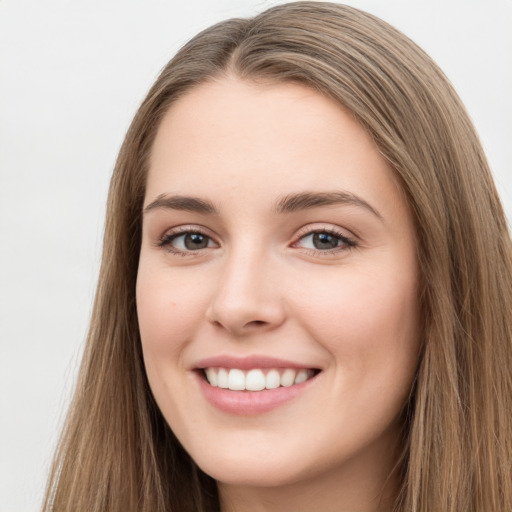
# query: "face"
[[277, 287]]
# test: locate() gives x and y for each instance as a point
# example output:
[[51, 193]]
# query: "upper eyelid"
[[328, 228], [187, 228], [305, 230]]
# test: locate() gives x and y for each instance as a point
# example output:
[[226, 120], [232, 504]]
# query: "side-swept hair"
[[118, 454]]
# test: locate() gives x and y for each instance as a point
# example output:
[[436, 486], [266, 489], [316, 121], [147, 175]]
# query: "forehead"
[[231, 137]]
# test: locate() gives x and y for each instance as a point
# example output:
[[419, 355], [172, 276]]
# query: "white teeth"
[[211, 375], [236, 380], [222, 378], [273, 379], [302, 376], [288, 378], [256, 379]]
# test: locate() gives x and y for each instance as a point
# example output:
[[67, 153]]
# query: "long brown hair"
[[118, 454]]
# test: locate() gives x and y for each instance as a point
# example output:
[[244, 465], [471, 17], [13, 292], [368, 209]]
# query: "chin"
[[243, 470]]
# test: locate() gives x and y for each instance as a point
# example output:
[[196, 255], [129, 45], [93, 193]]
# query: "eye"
[[325, 240], [186, 241]]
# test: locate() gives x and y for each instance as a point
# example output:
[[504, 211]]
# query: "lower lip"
[[250, 403]]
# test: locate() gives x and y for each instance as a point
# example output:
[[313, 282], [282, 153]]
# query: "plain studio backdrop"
[[72, 74]]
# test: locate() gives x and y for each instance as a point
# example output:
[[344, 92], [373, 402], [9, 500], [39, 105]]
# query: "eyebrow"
[[288, 204], [306, 200], [184, 203]]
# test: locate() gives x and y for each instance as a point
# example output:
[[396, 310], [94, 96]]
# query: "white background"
[[72, 74]]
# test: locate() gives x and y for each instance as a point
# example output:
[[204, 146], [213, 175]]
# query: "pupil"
[[195, 241], [325, 241]]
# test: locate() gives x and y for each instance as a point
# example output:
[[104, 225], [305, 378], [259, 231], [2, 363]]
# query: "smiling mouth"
[[256, 379]]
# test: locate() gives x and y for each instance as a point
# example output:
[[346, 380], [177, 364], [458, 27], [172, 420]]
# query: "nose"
[[247, 298]]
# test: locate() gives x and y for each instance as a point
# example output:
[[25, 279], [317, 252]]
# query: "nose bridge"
[[247, 296]]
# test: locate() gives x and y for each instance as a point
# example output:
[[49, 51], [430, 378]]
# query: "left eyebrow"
[[306, 200]]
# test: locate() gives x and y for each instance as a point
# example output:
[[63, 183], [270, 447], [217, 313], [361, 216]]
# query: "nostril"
[[257, 322]]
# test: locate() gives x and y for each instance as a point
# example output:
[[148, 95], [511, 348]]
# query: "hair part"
[[117, 453]]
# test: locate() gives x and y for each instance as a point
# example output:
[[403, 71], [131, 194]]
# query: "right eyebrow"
[[184, 203]]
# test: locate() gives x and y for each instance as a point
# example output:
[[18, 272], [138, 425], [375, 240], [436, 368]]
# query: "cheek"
[[369, 325], [367, 320], [168, 309]]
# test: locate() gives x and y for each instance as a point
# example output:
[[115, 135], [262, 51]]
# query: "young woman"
[[304, 301]]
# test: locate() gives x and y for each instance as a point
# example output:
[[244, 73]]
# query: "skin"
[[262, 287]]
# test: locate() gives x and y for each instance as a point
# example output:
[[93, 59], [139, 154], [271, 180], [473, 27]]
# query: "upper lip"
[[248, 362]]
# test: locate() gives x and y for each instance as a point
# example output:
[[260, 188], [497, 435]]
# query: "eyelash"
[[346, 243], [166, 240]]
